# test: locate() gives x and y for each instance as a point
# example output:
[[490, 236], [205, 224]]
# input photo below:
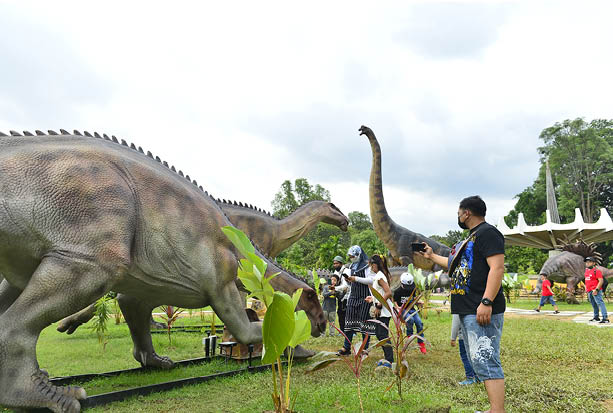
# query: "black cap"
[[590, 259]]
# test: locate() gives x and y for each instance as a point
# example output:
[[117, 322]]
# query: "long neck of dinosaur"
[[295, 226], [378, 213]]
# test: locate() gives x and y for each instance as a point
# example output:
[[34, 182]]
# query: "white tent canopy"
[[546, 236]]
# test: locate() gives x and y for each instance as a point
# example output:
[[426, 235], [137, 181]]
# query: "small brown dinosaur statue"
[[569, 267]]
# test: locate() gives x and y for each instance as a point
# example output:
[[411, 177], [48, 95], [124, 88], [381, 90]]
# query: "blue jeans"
[[597, 301], [420, 326], [468, 368], [545, 299], [483, 345]]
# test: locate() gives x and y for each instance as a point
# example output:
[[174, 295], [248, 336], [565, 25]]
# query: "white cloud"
[[456, 91]]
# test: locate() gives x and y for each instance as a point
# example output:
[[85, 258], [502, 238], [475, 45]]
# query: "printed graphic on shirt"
[[460, 279], [481, 348]]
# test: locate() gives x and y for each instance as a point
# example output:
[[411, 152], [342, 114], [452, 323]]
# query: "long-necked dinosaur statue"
[[83, 215], [396, 238], [271, 235], [275, 235], [569, 267]]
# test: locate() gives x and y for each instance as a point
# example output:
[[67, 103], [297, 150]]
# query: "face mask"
[[355, 260], [462, 224]]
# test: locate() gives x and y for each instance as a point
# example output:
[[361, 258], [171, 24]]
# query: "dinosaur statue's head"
[[365, 130], [309, 302], [332, 215]]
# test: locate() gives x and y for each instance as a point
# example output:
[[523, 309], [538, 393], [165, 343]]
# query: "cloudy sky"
[[243, 95]]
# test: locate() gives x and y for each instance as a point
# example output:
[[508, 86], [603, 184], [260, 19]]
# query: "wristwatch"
[[486, 301]]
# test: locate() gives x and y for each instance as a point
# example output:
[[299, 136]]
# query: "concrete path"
[[579, 316]]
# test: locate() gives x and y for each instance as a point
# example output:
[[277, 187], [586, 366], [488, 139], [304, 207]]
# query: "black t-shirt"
[[403, 293], [469, 279]]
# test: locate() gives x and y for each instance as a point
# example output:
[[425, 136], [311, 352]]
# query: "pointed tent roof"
[[546, 236], [552, 204]]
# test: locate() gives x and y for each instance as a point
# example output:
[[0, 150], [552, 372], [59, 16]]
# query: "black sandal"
[[343, 352]]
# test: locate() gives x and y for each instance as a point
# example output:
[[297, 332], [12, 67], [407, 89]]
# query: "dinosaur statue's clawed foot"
[[571, 299], [302, 353], [39, 392], [155, 325], [153, 360], [71, 323]]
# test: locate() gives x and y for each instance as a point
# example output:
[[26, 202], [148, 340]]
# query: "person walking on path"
[[593, 284], [342, 290], [358, 309], [406, 292], [456, 334], [547, 296], [329, 304], [476, 267], [380, 282]]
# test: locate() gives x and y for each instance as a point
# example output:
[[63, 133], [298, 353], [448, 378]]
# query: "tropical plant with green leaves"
[[102, 314], [170, 314], [559, 292], [283, 327], [424, 284], [117, 311], [355, 362], [316, 281], [399, 341], [509, 284]]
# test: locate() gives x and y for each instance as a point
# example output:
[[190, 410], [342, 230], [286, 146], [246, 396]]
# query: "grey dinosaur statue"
[[275, 235], [83, 215], [396, 238], [271, 235], [569, 267]]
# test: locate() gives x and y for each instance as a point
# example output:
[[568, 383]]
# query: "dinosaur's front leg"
[[571, 284], [8, 295], [60, 286], [227, 304], [138, 316]]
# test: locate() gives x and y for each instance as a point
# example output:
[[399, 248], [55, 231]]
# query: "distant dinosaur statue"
[[569, 267], [271, 235], [396, 238], [83, 215]]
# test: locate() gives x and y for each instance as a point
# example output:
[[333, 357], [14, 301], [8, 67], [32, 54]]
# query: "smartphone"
[[418, 246]]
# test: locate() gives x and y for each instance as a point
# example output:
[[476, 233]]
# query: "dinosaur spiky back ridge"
[[582, 248], [104, 136], [133, 147]]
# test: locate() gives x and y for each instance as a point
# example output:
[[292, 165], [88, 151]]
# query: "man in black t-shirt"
[[476, 268]]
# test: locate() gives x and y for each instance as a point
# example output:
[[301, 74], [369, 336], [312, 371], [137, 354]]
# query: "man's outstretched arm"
[[429, 254]]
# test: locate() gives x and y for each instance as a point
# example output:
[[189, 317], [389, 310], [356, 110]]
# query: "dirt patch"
[[608, 405]]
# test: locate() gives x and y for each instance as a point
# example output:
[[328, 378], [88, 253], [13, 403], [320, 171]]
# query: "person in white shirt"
[[380, 276]]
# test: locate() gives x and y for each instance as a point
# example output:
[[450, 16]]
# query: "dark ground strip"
[[121, 395], [81, 378]]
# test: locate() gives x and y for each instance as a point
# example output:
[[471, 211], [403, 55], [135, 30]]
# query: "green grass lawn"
[[551, 365]]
